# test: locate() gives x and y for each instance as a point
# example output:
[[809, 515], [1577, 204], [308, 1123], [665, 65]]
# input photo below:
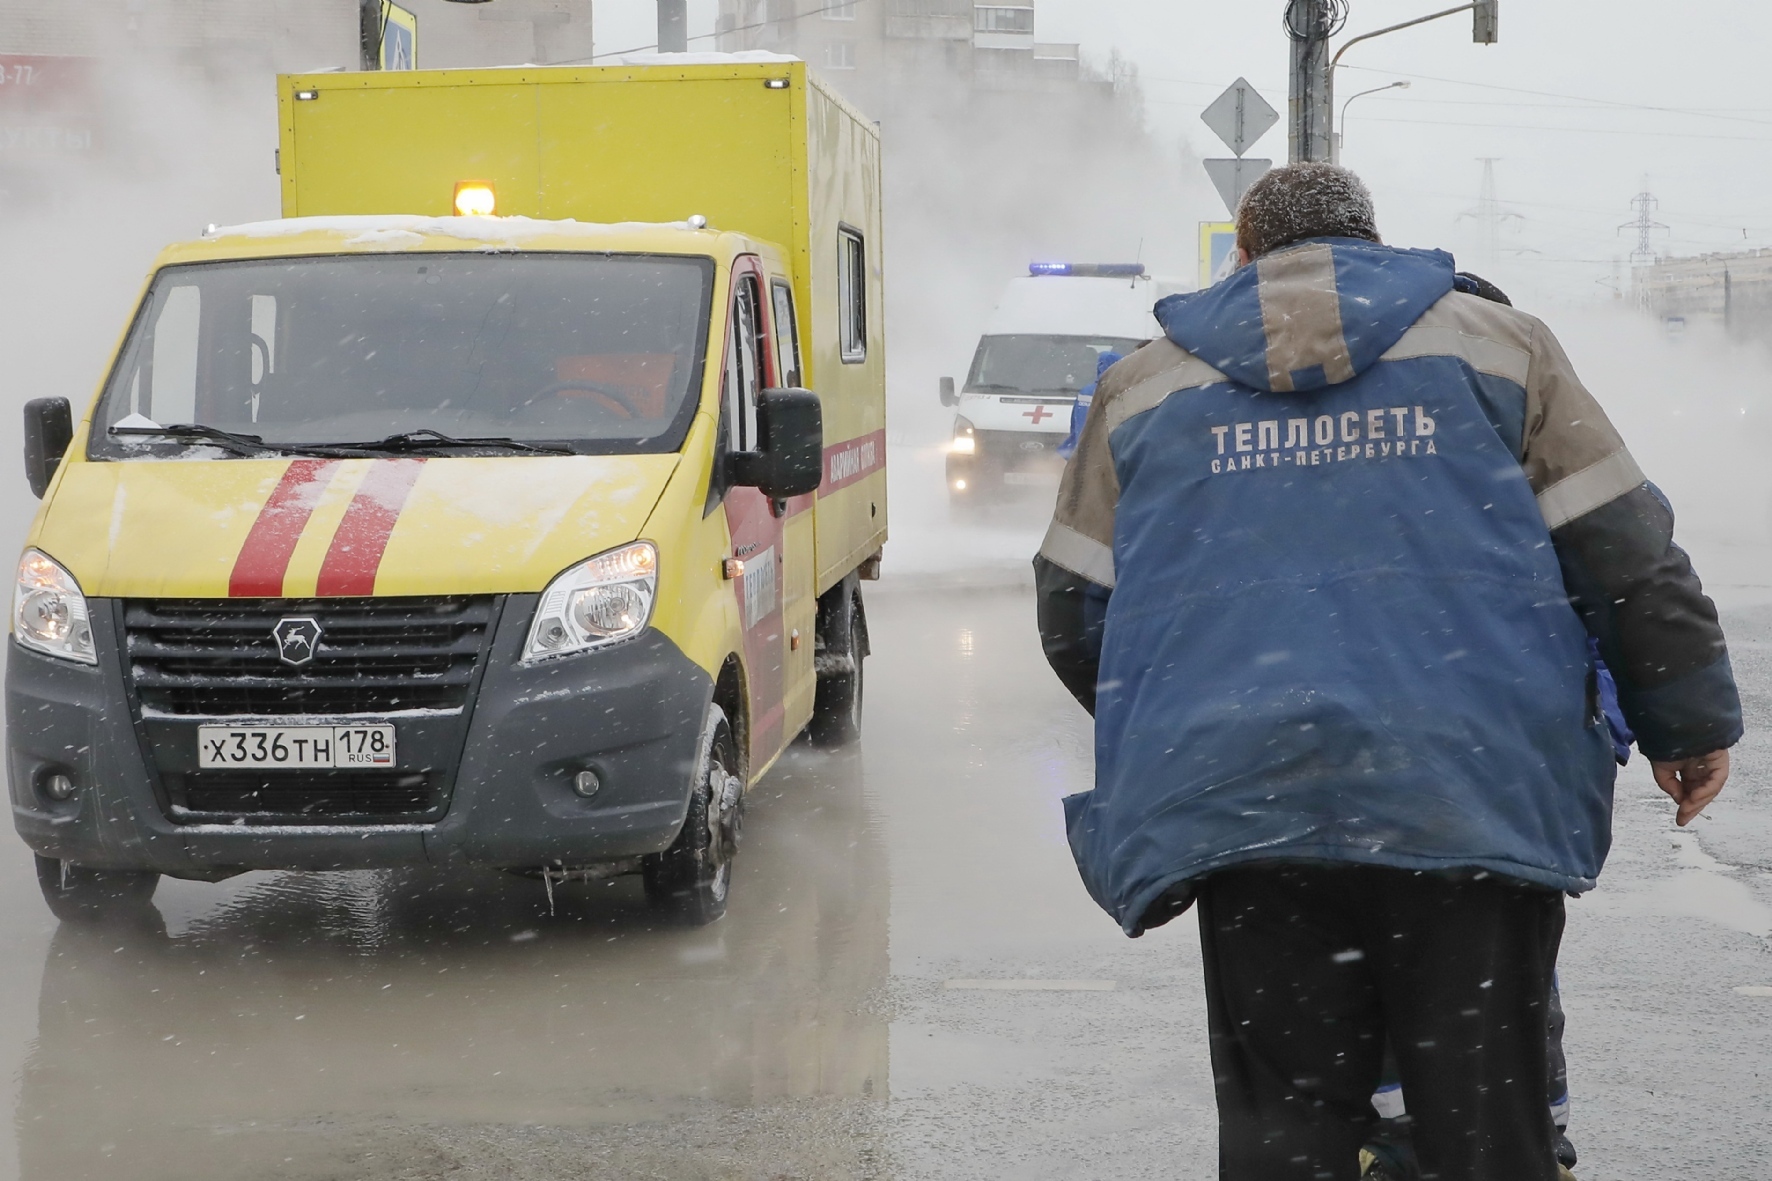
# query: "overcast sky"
[[1578, 102]]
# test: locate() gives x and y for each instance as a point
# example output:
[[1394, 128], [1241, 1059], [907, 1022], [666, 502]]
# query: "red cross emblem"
[[1039, 414]]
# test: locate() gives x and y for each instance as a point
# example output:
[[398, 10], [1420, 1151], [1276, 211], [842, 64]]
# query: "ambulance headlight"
[[49, 612], [965, 441], [598, 602]]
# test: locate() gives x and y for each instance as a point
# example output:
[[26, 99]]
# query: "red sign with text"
[[49, 106]]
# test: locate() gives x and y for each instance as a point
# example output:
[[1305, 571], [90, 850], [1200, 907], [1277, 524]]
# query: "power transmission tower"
[[1490, 213], [1645, 204]]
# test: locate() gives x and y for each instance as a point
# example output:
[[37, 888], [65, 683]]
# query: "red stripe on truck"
[[355, 554], [264, 558], [852, 460]]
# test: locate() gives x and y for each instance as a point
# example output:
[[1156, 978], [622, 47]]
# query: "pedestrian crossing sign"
[[1218, 251], [399, 38]]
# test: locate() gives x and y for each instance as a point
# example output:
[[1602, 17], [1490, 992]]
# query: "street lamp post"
[[1342, 123]]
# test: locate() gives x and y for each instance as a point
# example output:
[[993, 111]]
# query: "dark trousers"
[[1310, 967]]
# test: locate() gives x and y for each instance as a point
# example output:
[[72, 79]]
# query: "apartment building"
[[218, 36], [76, 75], [1734, 289], [881, 52]]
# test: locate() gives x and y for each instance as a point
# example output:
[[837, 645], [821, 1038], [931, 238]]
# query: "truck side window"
[[852, 303], [787, 335], [263, 361], [166, 387], [744, 369]]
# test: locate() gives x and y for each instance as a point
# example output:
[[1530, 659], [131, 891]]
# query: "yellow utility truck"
[[478, 512]]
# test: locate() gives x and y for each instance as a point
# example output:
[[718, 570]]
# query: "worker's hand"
[[1692, 783]]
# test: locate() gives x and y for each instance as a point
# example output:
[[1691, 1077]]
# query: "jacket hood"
[[1312, 315]]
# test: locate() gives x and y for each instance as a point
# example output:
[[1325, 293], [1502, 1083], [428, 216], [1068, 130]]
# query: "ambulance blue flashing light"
[[1089, 270]]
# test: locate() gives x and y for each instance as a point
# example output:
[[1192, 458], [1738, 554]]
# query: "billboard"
[[49, 107], [1218, 251]]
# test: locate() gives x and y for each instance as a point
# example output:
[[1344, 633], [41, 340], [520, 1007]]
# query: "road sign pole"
[[673, 26]]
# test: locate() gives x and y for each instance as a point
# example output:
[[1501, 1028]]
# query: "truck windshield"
[[1041, 364], [594, 354]]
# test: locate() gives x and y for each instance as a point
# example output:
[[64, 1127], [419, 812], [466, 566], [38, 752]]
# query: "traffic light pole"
[[1311, 98]]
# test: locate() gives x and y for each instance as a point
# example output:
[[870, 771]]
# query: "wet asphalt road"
[[409, 1025]]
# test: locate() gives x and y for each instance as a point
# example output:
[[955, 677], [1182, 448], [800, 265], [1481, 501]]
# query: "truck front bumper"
[[631, 714]]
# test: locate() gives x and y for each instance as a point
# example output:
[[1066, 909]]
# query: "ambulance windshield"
[[1032, 364], [592, 354]]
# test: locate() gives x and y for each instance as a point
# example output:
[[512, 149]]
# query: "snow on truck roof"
[[395, 230]]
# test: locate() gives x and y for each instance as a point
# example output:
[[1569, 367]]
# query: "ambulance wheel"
[[77, 894], [836, 710], [688, 882]]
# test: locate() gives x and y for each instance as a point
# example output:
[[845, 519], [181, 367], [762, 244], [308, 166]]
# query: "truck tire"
[[836, 710], [689, 882], [77, 894]]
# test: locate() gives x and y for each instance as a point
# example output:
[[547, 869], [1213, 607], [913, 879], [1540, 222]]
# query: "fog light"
[[959, 485], [59, 787], [587, 784]]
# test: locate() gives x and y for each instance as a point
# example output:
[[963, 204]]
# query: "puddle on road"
[[318, 1025], [1702, 889]]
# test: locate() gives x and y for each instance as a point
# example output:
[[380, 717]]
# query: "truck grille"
[[302, 797], [218, 657]]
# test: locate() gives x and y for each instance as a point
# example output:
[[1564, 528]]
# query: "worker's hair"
[[1303, 201]]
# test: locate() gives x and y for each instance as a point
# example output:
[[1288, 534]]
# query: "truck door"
[[755, 522], [799, 571]]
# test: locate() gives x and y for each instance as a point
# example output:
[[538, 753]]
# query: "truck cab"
[[1039, 349], [397, 535]]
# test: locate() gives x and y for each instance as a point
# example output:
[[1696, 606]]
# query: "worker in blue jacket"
[[1325, 567], [1085, 398]]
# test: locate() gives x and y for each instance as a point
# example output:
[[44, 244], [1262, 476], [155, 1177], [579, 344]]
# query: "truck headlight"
[[49, 612], [600, 601]]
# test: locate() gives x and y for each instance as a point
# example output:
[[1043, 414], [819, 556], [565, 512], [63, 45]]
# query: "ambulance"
[[1038, 350], [480, 512]]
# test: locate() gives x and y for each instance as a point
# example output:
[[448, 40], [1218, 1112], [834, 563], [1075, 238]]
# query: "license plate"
[[295, 747], [1031, 479]]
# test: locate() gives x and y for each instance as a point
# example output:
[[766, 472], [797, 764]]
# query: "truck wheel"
[[689, 881], [836, 710], [77, 894]]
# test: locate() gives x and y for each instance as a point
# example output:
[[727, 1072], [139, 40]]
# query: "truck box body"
[[791, 164]]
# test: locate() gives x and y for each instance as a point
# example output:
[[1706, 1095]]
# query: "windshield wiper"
[[426, 438], [194, 432]]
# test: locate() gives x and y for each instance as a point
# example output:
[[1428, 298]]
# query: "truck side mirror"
[[790, 458], [948, 396], [49, 428]]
